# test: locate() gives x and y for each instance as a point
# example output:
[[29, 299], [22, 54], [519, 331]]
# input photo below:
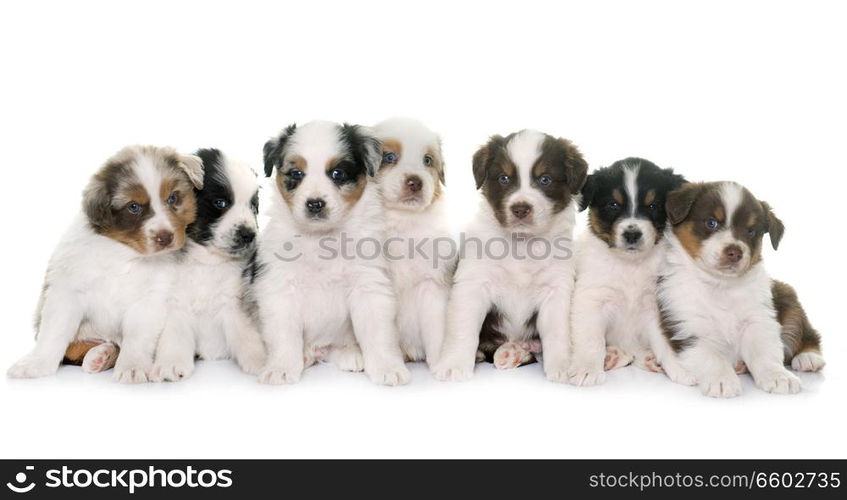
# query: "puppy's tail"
[[801, 342]]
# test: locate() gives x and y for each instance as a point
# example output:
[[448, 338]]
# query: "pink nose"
[[733, 253], [414, 183]]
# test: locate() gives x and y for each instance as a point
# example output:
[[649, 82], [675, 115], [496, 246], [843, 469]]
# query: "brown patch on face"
[[597, 227], [350, 191], [391, 146], [650, 197], [689, 208], [689, 239], [183, 210], [284, 183], [563, 162], [618, 196], [798, 335], [490, 163]]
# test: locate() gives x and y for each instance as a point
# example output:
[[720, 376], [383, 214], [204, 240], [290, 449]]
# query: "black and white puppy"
[[513, 284], [718, 304], [208, 313], [319, 297], [108, 280], [614, 316]]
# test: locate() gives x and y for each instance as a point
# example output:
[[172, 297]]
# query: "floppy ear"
[[676, 180], [193, 168], [577, 167], [367, 148], [775, 226], [440, 162], [481, 158], [587, 192], [679, 202], [97, 204], [275, 148]]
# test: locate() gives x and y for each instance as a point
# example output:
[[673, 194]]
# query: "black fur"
[[274, 149], [215, 186], [364, 147]]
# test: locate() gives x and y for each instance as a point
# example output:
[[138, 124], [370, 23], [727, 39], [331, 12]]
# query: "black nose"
[[315, 205], [632, 236], [164, 239], [733, 253], [414, 183], [521, 210], [243, 236]]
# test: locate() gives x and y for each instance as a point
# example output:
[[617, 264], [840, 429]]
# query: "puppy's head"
[[626, 203], [144, 197], [528, 177], [721, 226], [412, 171], [226, 206], [322, 169]]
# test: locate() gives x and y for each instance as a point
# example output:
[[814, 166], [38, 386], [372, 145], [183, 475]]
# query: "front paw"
[[808, 362], [171, 371], [390, 375], [131, 373], [778, 381], [585, 374], [32, 367], [278, 374], [727, 386], [452, 371]]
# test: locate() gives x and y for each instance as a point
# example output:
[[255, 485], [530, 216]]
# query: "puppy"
[[614, 313], [718, 304], [109, 278], [411, 180], [322, 292], [208, 312], [512, 289]]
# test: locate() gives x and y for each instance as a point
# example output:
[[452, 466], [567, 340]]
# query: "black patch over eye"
[[338, 175], [254, 203], [134, 208], [503, 179], [613, 206], [220, 203], [545, 180], [653, 206], [293, 177], [427, 160]]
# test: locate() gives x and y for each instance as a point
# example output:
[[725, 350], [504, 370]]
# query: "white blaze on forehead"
[[317, 142], [731, 196], [242, 180], [630, 180], [150, 176], [524, 150]]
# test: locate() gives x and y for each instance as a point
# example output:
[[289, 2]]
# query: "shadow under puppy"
[[109, 278], [411, 181], [512, 288], [718, 304], [614, 315]]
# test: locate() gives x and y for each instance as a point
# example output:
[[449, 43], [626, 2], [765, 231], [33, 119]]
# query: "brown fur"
[[798, 335], [77, 350], [350, 193]]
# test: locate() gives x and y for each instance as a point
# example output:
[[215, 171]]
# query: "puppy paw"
[[808, 362], [347, 358], [171, 371], [511, 355], [452, 372], [727, 386], [740, 368], [394, 375], [313, 355], [100, 358], [32, 367], [648, 362], [616, 358], [779, 381], [131, 373], [556, 372], [280, 374], [680, 376], [585, 374]]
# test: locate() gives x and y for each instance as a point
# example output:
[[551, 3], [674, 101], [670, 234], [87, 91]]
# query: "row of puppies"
[[505, 310]]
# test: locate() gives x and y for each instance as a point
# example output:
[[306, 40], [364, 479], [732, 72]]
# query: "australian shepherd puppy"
[[323, 289], [108, 281], [411, 180], [614, 316], [209, 310], [512, 289], [718, 304]]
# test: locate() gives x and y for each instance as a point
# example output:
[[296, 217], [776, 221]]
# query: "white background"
[[750, 91]]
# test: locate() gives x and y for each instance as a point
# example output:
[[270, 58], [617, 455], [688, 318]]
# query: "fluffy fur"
[[503, 303], [313, 305], [411, 180], [614, 317], [109, 278]]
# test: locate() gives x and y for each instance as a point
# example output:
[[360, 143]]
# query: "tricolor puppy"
[[512, 289], [318, 297], [719, 306], [614, 316], [209, 313], [108, 281], [411, 180]]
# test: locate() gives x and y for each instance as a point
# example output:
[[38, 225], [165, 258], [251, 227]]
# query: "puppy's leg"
[[554, 328], [61, 316], [762, 351], [432, 317], [174, 359], [802, 342], [711, 366], [100, 358], [141, 328], [244, 340], [666, 357], [588, 332], [346, 357], [282, 331], [511, 355], [466, 310], [373, 310]]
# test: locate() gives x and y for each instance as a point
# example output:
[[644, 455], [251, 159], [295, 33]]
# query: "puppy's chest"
[[205, 287]]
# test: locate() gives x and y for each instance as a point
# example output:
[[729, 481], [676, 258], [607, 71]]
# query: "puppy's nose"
[[733, 253], [631, 236], [315, 205], [521, 210], [414, 183], [244, 236], [164, 238]]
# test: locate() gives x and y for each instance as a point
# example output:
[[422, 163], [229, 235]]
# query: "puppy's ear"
[[588, 190], [193, 167], [365, 146], [576, 166], [676, 180], [482, 157], [775, 226], [97, 204], [680, 201], [274, 149], [439, 162]]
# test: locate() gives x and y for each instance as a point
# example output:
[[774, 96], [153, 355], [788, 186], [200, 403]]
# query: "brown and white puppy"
[[411, 181], [108, 280], [512, 289], [718, 304]]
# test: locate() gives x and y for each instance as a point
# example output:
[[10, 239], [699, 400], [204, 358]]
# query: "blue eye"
[[338, 175], [545, 180], [220, 203], [296, 174], [389, 158], [613, 205], [427, 160], [712, 223], [172, 198], [134, 208], [503, 179]]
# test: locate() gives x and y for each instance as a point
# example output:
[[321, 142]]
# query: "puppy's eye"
[[613, 205], [173, 198], [389, 158], [427, 160], [134, 208], [338, 175], [653, 206], [220, 203], [752, 232], [503, 179], [712, 223], [295, 174], [545, 180]]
